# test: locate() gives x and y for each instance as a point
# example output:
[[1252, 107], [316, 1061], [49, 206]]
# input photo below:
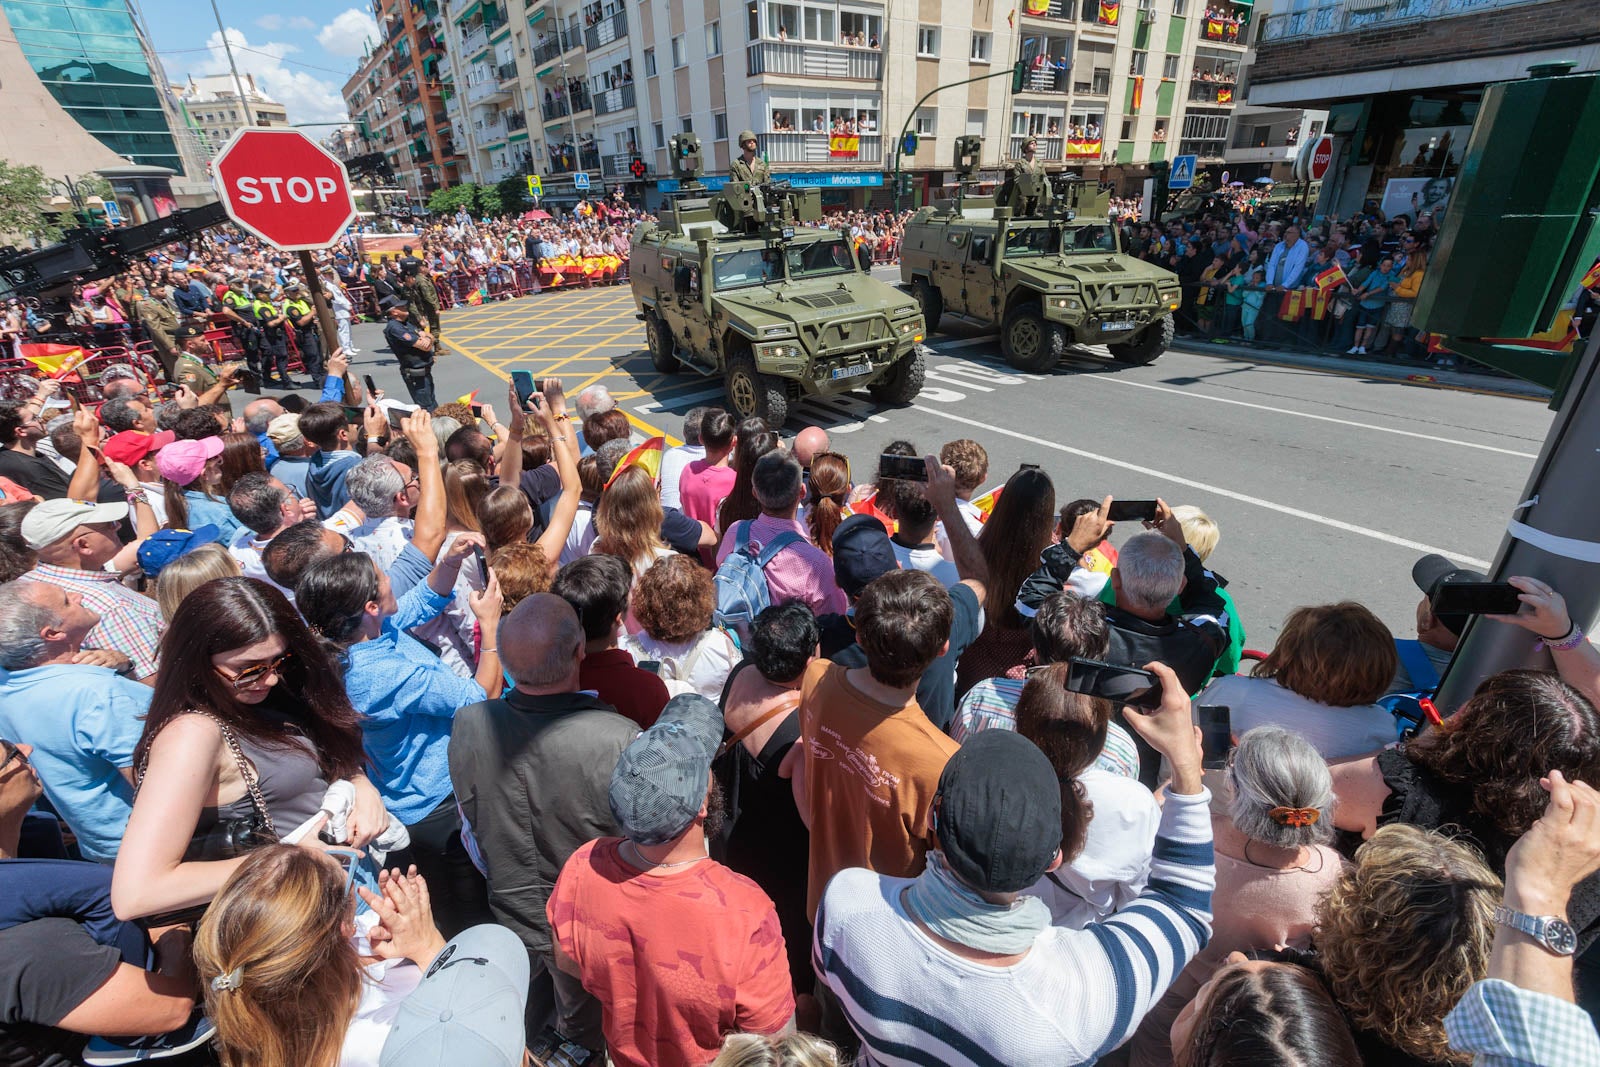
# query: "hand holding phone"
[[1216, 734], [1477, 598], [1120, 684], [903, 468], [372, 386], [1131, 511], [522, 382]]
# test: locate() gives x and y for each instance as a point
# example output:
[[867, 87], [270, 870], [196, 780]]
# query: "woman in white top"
[[292, 977], [1322, 680], [628, 520], [580, 539], [673, 602]]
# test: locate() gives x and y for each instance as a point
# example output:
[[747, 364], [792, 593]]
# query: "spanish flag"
[[1331, 278], [1591, 279], [1289, 310], [1038, 7], [467, 398], [868, 505], [1138, 91], [985, 503], [56, 361], [844, 146], [647, 455], [475, 297], [1224, 96], [1214, 29], [1100, 559], [1110, 12]]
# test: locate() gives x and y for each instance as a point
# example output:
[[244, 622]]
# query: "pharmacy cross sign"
[[284, 188]]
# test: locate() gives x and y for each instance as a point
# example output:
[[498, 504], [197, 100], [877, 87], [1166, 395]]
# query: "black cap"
[[186, 332], [861, 552], [997, 813], [1432, 571], [392, 302]]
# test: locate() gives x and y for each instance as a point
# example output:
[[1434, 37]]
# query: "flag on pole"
[[985, 503], [647, 455], [467, 398], [1331, 278], [1592, 279], [56, 361]]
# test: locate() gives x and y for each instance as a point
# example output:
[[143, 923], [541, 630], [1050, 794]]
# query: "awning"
[[538, 16], [467, 12]]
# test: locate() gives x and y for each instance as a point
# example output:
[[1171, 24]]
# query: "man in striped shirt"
[[957, 967]]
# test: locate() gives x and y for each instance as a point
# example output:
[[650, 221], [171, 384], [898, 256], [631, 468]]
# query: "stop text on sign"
[[293, 190]]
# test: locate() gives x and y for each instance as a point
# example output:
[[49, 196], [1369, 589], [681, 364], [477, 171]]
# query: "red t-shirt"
[[701, 489], [633, 691], [678, 958]]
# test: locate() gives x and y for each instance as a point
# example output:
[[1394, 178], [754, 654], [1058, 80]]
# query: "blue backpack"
[[1411, 710], [741, 581]]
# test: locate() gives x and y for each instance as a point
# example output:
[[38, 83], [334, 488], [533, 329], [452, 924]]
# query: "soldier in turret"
[[749, 167]]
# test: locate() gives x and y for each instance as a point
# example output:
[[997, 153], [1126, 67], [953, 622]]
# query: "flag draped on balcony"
[[1224, 96], [1110, 12], [1038, 7], [1081, 147], [1138, 91], [844, 146]]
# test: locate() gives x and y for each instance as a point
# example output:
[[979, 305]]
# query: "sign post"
[[1182, 174], [293, 194]]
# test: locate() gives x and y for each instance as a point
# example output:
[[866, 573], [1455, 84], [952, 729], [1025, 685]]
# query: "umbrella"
[[1236, 185], [536, 215], [1263, 181]]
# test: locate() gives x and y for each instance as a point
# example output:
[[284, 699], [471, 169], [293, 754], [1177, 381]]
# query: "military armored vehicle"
[[736, 284], [1041, 260]]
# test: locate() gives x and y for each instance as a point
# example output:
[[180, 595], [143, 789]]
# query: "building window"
[[1169, 68], [1136, 68], [977, 120], [660, 134], [927, 121], [1127, 129], [1177, 7], [687, 124], [649, 62], [714, 38], [927, 40], [981, 43], [719, 125], [1316, 130], [678, 59]]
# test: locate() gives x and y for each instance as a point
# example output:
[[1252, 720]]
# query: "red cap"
[[130, 446]]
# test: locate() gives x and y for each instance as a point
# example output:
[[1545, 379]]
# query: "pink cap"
[[182, 461]]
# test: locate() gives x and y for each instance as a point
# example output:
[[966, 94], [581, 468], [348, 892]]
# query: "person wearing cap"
[[193, 366], [274, 327], [73, 541], [531, 773], [235, 305], [468, 1007], [958, 964], [191, 477], [657, 889], [83, 749], [302, 319], [293, 464], [137, 451], [749, 167], [1422, 662], [413, 349]]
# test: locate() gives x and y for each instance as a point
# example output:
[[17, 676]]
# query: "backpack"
[[741, 581], [1413, 710]]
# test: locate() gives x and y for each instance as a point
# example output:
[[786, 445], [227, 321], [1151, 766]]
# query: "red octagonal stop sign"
[[284, 188], [1321, 159]]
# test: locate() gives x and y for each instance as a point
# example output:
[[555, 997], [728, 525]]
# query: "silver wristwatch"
[[1555, 934]]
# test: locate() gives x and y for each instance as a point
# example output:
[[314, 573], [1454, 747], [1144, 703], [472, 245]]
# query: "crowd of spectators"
[[325, 742]]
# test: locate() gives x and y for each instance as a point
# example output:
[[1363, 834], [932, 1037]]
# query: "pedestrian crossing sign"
[[535, 185], [1182, 173], [580, 180]]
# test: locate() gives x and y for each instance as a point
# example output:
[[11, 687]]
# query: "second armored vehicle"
[[735, 284], [1041, 261]]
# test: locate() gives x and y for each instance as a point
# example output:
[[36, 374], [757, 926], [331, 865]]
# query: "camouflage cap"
[[746, 135]]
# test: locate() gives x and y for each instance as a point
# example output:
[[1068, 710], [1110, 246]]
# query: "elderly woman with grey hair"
[[1273, 865]]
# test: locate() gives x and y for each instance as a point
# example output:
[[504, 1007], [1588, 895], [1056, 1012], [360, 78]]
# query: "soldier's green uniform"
[[418, 289], [755, 170], [1031, 180]]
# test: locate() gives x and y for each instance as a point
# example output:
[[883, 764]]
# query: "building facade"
[[1402, 83], [212, 105]]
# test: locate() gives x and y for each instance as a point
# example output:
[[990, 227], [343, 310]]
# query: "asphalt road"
[[1326, 486]]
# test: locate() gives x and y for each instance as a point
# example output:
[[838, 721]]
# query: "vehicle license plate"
[[851, 372], [1108, 327]]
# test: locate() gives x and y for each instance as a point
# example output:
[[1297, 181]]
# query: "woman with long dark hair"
[[249, 722], [754, 441], [241, 455], [1017, 532]]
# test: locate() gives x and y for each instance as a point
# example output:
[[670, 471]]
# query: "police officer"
[[749, 167], [302, 318], [274, 327], [413, 350], [235, 307]]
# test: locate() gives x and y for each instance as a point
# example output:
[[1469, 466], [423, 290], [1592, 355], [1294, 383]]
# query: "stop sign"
[[284, 188], [1321, 159]]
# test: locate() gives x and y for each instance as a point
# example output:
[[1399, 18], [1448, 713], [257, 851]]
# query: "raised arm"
[[968, 557], [564, 450], [428, 521], [1544, 613], [85, 484], [1057, 561]]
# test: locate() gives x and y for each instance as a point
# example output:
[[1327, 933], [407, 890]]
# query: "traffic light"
[[903, 183], [1019, 73]]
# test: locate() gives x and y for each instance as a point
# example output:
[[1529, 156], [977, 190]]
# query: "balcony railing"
[[1205, 149], [506, 71], [487, 133], [515, 120], [1222, 30], [588, 159], [1099, 84], [613, 100], [549, 50], [556, 109], [474, 41], [611, 28], [822, 148], [806, 60], [1212, 93], [1059, 10], [620, 164], [1048, 147], [1345, 16], [1050, 78], [1248, 138], [409, 92]]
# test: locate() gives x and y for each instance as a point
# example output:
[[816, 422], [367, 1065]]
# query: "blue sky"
[[300, 51]]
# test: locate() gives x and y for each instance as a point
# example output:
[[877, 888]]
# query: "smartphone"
[[372, 386], [522, 380], [1476, 598], [483, 564], [1131, 510], [1133, 686], [651, 665], [1027, 466], [395, 417], [477, 410], [1216, 734], [905, 468]]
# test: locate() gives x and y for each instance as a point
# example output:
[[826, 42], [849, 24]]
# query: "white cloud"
[[300, 22], [271, 23], [307, 97], [348, 33]]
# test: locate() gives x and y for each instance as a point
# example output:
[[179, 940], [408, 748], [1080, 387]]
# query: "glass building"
[[89, 54]]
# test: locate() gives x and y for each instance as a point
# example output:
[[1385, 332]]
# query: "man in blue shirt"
[[82, 717], [1288, 260]]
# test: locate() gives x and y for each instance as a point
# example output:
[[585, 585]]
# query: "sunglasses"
[[251, 675], [349, 861], [9, 752]]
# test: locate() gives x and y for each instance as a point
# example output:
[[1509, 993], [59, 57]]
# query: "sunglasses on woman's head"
[[251, 675]]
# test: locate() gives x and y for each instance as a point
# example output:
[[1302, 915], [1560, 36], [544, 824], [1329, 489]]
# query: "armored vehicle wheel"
[[1029, 342], [1146, 345], [904, 380], [753, 393], [662, 347], [931, 302]]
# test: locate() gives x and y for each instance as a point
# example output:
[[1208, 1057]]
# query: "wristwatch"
[[1552, 932]]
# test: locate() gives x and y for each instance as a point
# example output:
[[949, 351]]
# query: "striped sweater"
[[1077, 994]]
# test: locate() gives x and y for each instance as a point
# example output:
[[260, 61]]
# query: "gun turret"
[[684, 148], [769, 208]]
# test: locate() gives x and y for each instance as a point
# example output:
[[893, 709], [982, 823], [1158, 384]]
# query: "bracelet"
[[481, 651], [372, 439], [1574, 637]]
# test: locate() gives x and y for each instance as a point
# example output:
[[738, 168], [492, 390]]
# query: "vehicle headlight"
[[1069, 303], [775, 331]]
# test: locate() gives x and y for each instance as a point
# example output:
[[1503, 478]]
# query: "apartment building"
[[213, 106]]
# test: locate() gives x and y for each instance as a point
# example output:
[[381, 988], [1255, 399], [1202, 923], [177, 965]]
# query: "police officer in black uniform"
[[413, 350], [274, 326]]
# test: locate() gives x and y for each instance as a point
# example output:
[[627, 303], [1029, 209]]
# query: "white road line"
[[971, 342], [1105, 380], [1243, 498]]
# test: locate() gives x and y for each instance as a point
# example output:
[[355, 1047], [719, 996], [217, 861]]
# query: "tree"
[[449, 200], [23, 192], [513, 194], [488, 204]]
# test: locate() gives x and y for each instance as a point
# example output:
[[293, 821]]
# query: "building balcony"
[[557, 109], [562, 163], [809, 60], [515, 120], [611, 28], [1098, 84], [620, 164], [1223, 30], [1048, 147], [1213, 93], [506, 72], [420, 152], [613, 100], [1204, 149], [488, 133], [483, 91], [549, 50], [1053, 77], [1055, 10], [474, 41], [795, 147], [409, 93]]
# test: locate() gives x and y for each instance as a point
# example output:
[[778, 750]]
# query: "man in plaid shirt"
[[74, 540]]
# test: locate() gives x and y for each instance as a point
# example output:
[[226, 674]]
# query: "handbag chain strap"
[[251, 784]]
